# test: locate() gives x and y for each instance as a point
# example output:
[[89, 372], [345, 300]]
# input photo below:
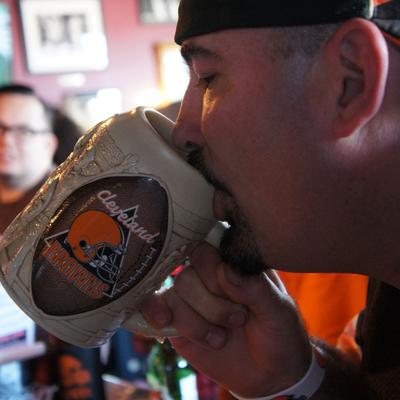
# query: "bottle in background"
[[170, 374]]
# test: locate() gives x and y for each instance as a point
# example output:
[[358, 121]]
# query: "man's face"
[[246, 116], [27, 148]]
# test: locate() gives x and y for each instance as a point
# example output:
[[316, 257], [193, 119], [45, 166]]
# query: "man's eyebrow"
[[189, 52]]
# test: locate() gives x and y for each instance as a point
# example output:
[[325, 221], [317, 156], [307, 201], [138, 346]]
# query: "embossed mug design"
[[105, 229]]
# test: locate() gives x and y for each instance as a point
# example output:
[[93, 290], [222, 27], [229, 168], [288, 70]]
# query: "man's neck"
[[9, 195], [12, 190]]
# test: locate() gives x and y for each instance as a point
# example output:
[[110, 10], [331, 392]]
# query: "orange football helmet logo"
[[96, 239]]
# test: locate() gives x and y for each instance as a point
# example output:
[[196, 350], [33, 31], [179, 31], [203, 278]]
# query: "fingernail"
[[215, 340], [232, 276], [237, 319]]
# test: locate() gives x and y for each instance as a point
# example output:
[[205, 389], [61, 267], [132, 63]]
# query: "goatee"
[[238, 246]]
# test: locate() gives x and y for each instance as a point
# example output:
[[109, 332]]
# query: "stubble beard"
[[238, 246]]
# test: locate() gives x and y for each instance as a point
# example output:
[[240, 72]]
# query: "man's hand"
[[243, 332]]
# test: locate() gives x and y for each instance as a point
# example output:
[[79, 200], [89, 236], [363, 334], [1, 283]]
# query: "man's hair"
[[305, 40], [18, 88]]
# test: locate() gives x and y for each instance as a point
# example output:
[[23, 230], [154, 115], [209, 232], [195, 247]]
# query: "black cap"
[[198, 17]]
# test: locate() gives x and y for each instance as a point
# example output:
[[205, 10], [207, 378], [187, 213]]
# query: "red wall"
[[132, 61]]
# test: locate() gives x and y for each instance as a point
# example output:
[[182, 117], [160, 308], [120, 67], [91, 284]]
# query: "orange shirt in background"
[[327, 302]]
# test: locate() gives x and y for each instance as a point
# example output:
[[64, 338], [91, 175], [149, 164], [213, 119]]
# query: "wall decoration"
[[159, 11], [88, 109], [63, 35], [173, 72], [5, 45]]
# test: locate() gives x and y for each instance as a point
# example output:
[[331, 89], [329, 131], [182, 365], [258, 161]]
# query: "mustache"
[[196, 159]]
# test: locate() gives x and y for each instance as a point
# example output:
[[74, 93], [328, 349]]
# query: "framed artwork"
[[159, 11], [172, 71], [63, 35], [5, 45], [87, 109]]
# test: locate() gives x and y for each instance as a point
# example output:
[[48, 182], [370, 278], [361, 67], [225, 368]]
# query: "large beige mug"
[[106, 229]]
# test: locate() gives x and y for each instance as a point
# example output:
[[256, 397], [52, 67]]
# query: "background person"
[[27, 146]]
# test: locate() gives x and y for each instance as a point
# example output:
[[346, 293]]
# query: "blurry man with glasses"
[[27, 147]]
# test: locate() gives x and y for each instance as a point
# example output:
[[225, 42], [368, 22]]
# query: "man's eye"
[[205, 81]]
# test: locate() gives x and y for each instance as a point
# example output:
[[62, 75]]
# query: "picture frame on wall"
[[158, 11], [5, 45], [173, 72], [62, 36]]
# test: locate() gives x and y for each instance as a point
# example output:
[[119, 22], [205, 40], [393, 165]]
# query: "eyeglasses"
[[21, 130]]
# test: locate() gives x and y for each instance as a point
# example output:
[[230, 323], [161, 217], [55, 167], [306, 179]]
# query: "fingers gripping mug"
[[105, 230]]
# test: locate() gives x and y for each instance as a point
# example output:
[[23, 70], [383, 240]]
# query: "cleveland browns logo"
[[90, 254], [96, 239], [103, 240]]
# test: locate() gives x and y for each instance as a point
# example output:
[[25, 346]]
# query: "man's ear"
[[358, 58]]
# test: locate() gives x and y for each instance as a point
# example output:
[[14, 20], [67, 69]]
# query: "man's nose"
[[187, 134]]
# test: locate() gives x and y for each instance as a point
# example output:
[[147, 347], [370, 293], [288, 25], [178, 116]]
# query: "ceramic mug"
[[106, 229]]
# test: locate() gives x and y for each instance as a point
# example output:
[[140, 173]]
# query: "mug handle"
[[136, 321]]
